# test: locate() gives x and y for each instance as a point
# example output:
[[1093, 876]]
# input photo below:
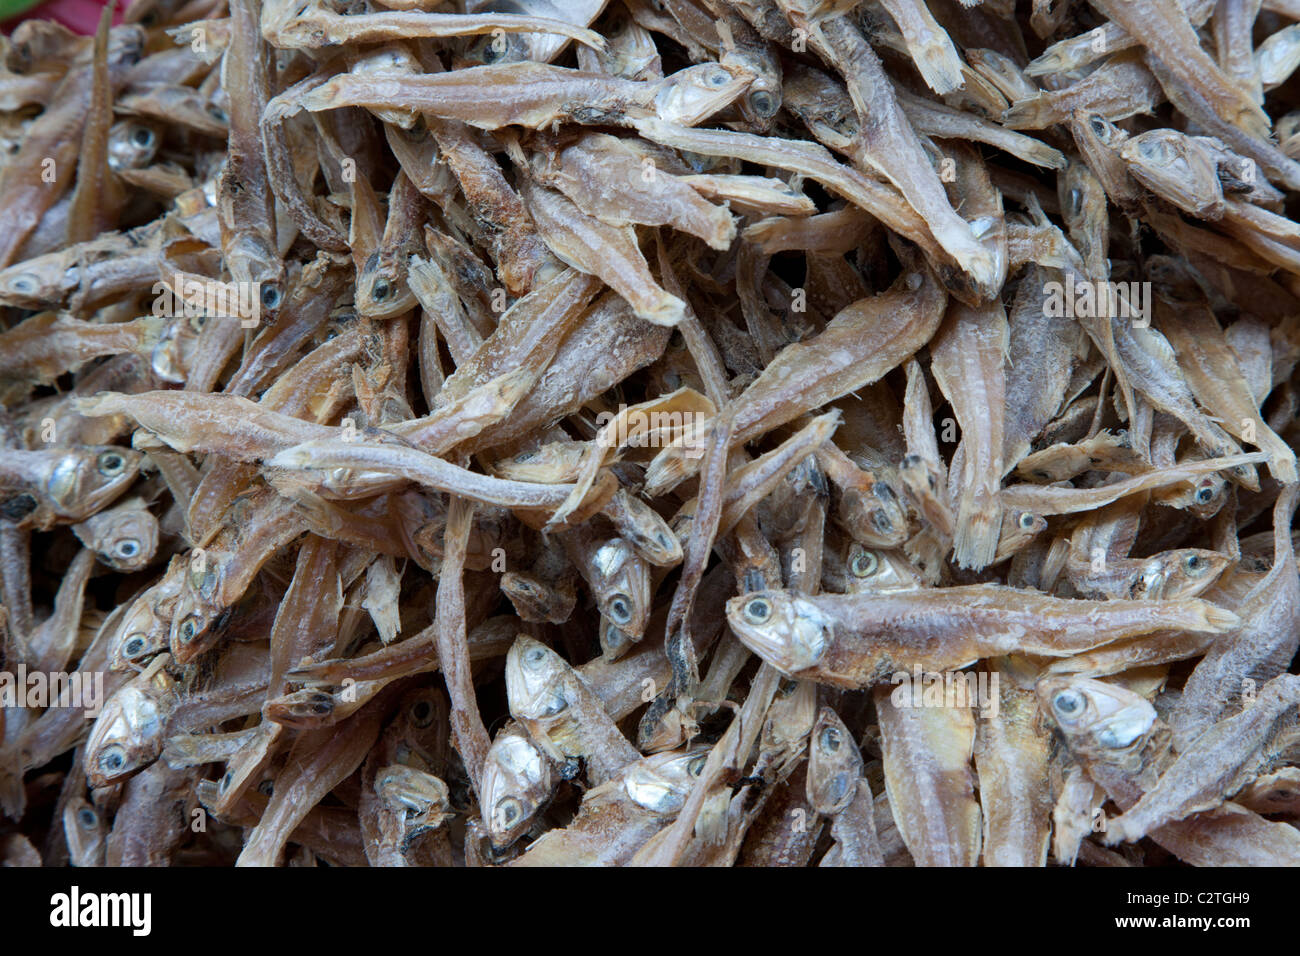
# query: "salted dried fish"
[[535, 433], [855, 640]]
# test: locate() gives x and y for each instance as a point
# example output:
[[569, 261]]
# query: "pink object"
[[80, 16]]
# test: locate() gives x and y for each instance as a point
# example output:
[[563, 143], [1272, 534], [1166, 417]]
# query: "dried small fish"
[[516, 432]]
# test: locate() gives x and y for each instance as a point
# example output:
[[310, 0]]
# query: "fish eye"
[[321, 703], [24, 283], [1098, 125], [719, 78], [87, 818], [1076, 201], [142, 137], [762, 102], [508, 811], [620, 609], [1068, 702], [111, 464], [534, 655], [864, 564], [189, 629], [134, 645], [1205, 495], [271, 296], [127, 548], [266, 787], [112, 758], [830, 740], [226, 781], [422, 713], [696, 766], [1026, 521], [380, 291], [218, 114], [758, 610], [1195, 564]]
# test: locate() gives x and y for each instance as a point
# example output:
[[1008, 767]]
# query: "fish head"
[[1097, 715], [1102, 130], [533, 675], [304, 709], [518, 780], [834, 764], [1176, 167], [789, 632], [534, 599], [650, 534], [419, 798], [690, 96], [760, 104], [132, 144], [662, 782], [552, 462], [1181, 574], [1019, 528], [251, 260], [195, 626], [125, 537], [37, 283], [874, 515], [85, 832], [126, 738], [173, 353], [81, 482], [622, 586], [614, 641], [382, 292], [1203, 496], [877, 571], [140, 635], [495, 49], [417, 736]]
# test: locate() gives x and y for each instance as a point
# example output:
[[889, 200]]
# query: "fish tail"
[[939, 65], [668, 469], [978, 526], [1033, 112], [1281, 459], [1216, 619]]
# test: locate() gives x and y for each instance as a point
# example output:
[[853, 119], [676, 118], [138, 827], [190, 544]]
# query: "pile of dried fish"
[[695, 432]]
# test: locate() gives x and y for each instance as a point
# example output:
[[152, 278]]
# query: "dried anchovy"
[[650, 434]]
